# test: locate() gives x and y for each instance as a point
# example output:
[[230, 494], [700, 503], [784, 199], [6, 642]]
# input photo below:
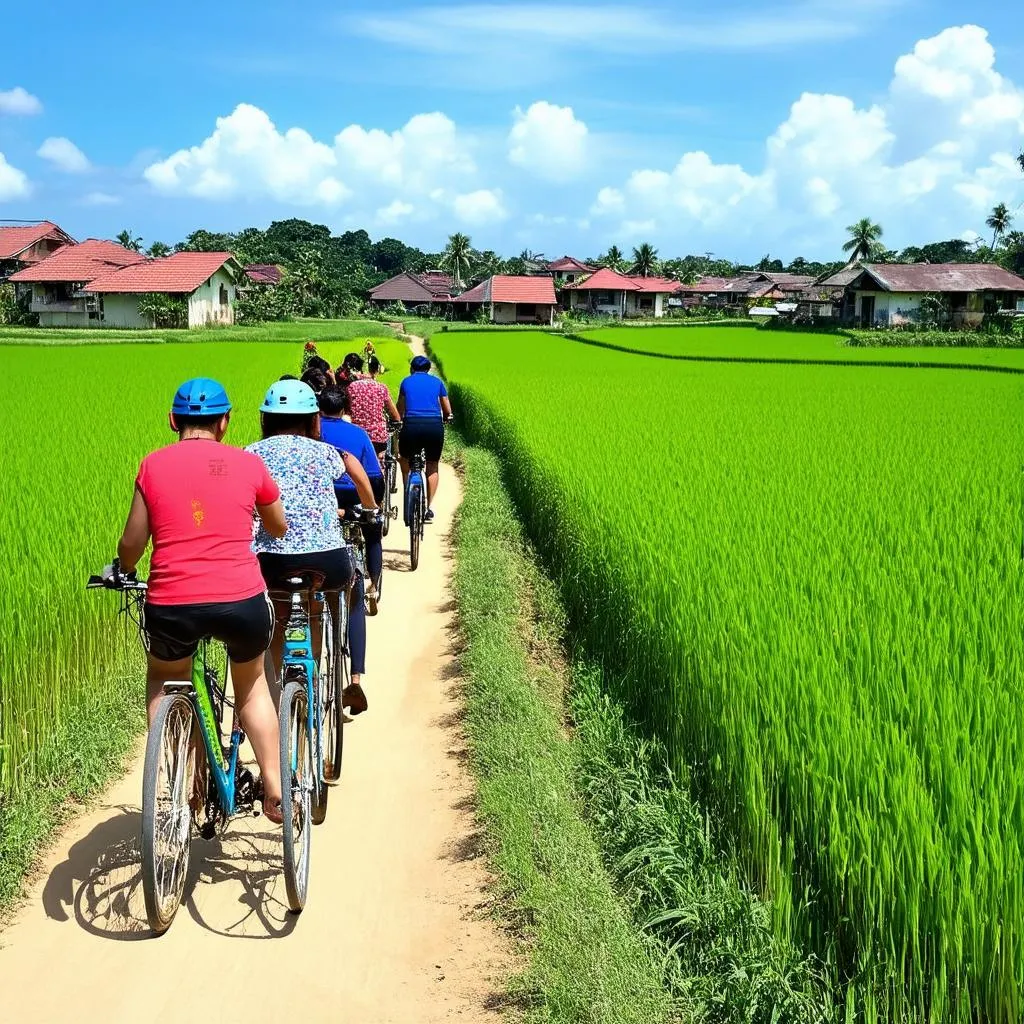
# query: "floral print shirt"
[[369, 399], [305, 470]]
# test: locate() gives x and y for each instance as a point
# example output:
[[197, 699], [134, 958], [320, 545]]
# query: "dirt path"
[[393, 930]]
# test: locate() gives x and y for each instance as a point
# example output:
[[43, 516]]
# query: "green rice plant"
[[806, 583], [75, 424]]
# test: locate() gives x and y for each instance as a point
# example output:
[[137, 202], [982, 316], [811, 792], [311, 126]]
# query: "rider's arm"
[[393, 409], [136, 534], [446, 407], [272, 517], [400, 408], [355, 470]]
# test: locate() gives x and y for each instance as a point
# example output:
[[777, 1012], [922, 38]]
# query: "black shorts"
[[336, 565], [380, 447], [173, 631], [422, 435], [349, 497]]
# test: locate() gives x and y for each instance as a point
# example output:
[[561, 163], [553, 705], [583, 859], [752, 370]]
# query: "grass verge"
[[82, 759], [631, 912]]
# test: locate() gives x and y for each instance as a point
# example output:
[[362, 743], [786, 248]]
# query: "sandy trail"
[[393, 929]]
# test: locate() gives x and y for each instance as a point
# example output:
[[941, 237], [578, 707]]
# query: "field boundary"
[[794, 361]]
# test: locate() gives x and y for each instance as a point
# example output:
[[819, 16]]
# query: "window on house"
[[526, 309], [223, 295], [605, 299]]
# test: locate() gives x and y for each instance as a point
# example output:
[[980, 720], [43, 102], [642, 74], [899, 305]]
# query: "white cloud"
[[548, 141], [64, 155], [926, 160], [412, 171], [17, 101], [479, 208], [100, 199], [14, 184]]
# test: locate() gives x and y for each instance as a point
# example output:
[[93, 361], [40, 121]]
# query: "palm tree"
[[457, 258], [130, 241], [999, 220], [158, 250], [613, 259], [1020, 160], [864, 239], [645, 260]]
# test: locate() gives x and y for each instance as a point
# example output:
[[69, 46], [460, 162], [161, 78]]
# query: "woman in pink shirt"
[[196, 499], [371, 401]]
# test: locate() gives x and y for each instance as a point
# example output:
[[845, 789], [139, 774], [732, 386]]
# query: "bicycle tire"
[[322, 694], [297, 784], [389, 501], [415, 525], [334, 734], [167, 819]]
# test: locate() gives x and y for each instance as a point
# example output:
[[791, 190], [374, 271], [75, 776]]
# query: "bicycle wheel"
[[297, 785], [167, 782], [415, 524], [334, 720]]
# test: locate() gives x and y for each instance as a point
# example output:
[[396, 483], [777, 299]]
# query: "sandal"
[[273, 812], [353, 698]]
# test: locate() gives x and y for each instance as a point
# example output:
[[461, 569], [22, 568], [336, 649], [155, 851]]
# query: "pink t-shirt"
[[201, 496], [369, 398]]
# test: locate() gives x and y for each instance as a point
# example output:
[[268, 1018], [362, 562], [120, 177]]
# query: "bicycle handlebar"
[[113, 579], [358, 514]]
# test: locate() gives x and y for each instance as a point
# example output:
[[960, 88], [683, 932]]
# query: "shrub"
[[14, 312], [164, 310]]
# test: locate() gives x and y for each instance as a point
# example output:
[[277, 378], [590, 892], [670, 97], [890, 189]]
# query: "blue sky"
[[739, 128]]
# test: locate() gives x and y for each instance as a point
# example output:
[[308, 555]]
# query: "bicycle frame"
[[223, 765], [299, 664], [417, 464]]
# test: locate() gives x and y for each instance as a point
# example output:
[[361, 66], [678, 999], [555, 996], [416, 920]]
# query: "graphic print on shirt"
[[198, 514]]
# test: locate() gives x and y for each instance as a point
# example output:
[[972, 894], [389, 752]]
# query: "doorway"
[[867, 311]]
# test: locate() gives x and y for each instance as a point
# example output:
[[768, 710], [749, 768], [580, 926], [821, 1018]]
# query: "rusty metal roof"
[[939, 277]]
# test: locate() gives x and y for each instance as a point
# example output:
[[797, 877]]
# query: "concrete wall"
[[891, 308], [581, 300], [122, 311], [508, 313], [205, 306], [633, 304]]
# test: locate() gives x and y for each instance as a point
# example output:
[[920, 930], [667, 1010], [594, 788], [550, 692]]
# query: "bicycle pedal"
[[208, 830]]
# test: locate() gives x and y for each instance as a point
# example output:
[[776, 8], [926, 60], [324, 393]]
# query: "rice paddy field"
[[76, 422], [751, 343], [807, 582]]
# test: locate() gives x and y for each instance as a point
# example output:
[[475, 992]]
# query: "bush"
[[14, 312], [262, 303], [164, 310]]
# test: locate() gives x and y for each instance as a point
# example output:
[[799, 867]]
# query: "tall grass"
[[75, 423], [806, 582]]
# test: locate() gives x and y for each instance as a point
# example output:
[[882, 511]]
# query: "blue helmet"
[[200, 396], [290, 396], [419, 364]]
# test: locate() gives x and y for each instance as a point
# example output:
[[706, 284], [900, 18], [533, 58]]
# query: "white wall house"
[[608, 293], [511, 299]]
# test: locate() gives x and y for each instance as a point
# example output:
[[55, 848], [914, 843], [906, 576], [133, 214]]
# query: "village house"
[[22, 245], [568, 270], [99, 283], [431, 288], [269, 274], [890, 294], [608, 293], [511, 300]]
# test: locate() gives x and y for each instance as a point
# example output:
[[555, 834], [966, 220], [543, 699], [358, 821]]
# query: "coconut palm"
[[645, 259], [999, 221], [457, 258], [613, 259], [864, 239], [1020, 159], [130, 241]]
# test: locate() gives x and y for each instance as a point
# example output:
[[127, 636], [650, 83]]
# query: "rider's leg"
[[159, 672], [357, 646], [259, 720], [432, 477]]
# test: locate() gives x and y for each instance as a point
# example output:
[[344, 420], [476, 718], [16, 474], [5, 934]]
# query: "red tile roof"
[[82, 262], [17, 238], [943, 277], [538, 291], [413, 289], [571, 264], [605, 280], [178, 274], [263, 273]]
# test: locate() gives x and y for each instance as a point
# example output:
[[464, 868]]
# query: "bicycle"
[[416, 505], [351, 527], [390, 467], [171, 777]]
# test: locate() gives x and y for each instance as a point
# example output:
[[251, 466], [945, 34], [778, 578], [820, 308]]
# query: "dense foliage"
[[813, 596]]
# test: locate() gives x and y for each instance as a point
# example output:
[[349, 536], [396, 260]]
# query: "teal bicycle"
[[311, 721], [180, 788]]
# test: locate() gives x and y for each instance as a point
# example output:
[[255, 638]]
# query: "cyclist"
[[306, 470], [351, 369], [316, 379], [346, 436], [372, 405], [196, 500], [423, 408]]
